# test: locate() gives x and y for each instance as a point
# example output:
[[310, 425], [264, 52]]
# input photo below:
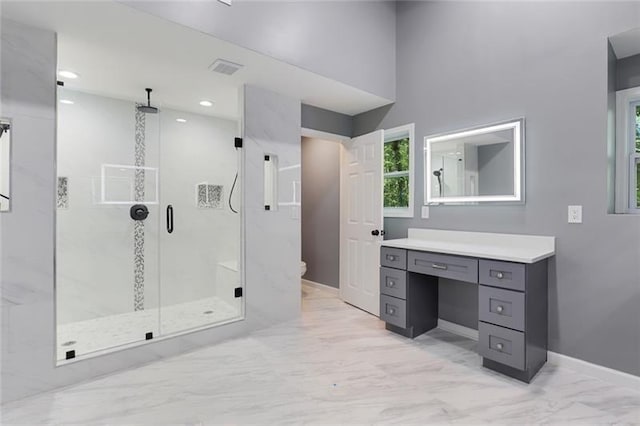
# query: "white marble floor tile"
[[335, 365]]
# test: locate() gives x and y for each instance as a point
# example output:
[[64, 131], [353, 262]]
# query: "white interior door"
[[361, 216]]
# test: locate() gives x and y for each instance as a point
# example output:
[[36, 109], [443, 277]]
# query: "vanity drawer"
[[501, 345], [393, 257], [502, 274], [393, 282], [442, 265], [501, 307], [393, 311]]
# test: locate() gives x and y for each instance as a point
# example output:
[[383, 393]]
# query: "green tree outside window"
[[396, 173]]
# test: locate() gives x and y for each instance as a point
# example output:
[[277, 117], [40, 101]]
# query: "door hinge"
[[237, 142], [237, 292]]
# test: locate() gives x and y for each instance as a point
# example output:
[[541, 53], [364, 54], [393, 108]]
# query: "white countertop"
[[508, 247]]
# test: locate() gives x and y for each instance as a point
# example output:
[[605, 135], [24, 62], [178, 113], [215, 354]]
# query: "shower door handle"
[[169, 218]]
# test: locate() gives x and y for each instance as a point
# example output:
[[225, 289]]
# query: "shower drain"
[[69, 343], [207, 312]]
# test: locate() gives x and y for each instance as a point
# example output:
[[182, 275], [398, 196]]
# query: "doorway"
[[320, 218], [342, 215]]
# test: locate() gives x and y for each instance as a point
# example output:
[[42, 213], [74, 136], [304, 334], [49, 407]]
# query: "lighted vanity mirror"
[[483, 164], [5, 164]]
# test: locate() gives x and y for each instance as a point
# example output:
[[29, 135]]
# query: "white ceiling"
[[626, 44], [118, 51]]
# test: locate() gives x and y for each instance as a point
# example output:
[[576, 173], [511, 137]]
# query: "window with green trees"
[[396, 173]]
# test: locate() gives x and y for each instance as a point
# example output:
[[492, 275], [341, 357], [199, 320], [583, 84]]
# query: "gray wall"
[[321, 210], [326, 121], [353, 42], [546, 62], [27, 328], [628, 72]]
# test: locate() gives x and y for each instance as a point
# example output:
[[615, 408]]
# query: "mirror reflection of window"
[[5, 165]]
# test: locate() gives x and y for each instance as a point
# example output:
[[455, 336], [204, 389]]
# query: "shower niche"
[[136, 258]]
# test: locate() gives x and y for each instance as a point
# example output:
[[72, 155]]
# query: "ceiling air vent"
[[224, 67]]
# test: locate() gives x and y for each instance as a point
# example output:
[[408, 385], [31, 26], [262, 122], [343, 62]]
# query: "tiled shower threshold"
[[103, 335]]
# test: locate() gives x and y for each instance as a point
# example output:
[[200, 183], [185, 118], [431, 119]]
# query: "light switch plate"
[[575, 214], [425, 212]]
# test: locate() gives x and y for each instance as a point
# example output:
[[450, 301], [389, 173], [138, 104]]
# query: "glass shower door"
[[106, 224], [200, 242]]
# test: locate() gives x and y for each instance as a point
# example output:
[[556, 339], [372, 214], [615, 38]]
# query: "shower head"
[[4, 127], [148, 108]]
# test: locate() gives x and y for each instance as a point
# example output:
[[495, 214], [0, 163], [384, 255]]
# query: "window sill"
[[406, 213]]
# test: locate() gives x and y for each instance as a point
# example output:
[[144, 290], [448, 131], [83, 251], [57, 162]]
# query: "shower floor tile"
[[98, 334]]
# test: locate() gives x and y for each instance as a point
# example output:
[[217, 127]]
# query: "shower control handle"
[[138, 212], [169, 218]]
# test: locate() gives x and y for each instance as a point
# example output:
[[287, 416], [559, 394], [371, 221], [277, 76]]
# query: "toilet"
[[303, 268]]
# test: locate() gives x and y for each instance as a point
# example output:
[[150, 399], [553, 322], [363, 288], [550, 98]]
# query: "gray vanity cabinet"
[[512, 304], [512, 313], [408, 301]]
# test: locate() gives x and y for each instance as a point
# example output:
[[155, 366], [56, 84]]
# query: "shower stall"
[[148, 224]]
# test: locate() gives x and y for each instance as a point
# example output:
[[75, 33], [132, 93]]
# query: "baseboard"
[[609, 375], [615, 377], [332, 290], [458, 329]]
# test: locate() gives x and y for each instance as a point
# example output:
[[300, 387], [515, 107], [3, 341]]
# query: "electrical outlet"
[[575, 214], [425, 212]]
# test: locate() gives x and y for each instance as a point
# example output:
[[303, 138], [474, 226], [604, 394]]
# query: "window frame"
[[394, 134], [626, 200]]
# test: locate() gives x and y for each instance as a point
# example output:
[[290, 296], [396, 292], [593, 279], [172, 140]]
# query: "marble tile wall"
[[27, 338], [272, 239]]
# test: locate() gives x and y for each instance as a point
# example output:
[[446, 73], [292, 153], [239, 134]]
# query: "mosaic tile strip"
[[138, 232], [201, 192], [214, 196], [209, 196], [62, 200]]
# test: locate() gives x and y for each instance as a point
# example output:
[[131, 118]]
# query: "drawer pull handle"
[[437, 266], [499, 309], [391, 257], [391, 311], [500, 275], [499, 346], [391, 284]]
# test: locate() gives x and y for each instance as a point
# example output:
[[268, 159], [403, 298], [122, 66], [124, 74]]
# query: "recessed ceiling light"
[[68, 74], [206, 103], [66, 101], [181, 120]]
